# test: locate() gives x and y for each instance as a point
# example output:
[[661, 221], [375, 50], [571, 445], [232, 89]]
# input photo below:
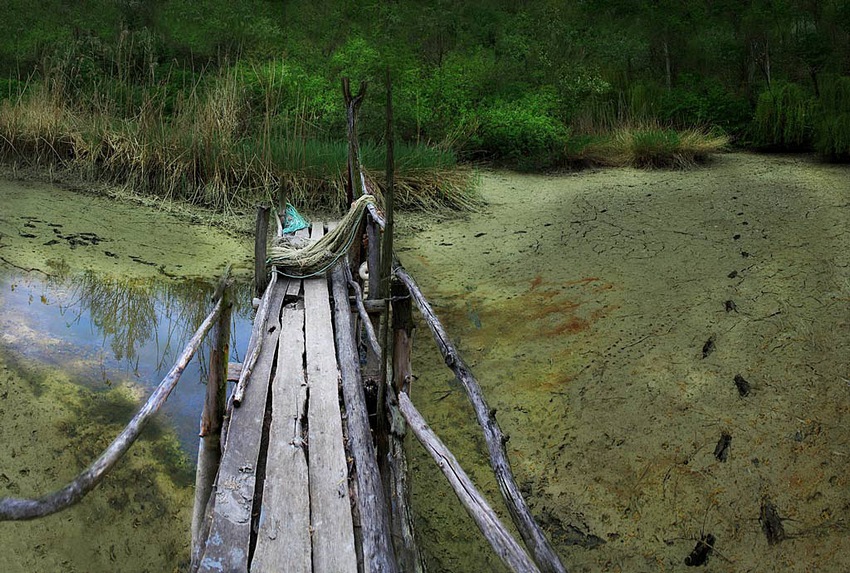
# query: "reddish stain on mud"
[[546, 311]]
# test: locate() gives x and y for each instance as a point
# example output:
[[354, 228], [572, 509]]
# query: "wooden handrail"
[[15, 509], [503, 543], [541, 549]]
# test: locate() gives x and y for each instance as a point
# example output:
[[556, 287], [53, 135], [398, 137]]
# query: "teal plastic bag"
[[293, 220]]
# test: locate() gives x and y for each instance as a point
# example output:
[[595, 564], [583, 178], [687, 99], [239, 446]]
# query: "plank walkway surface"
[[300, 504]]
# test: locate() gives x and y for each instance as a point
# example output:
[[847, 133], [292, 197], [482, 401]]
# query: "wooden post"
[[352, 105], [209, 449], [378, 552], [261, 278], [397, 473]]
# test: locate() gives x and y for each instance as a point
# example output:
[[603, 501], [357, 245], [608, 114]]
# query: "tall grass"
[[784, 117], [211, 142], [832, 127], [651, 145]]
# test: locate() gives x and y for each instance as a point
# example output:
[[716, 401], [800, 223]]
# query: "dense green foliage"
[[531, 84]]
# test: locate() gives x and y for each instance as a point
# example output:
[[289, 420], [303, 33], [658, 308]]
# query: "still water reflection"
[[108, 331]]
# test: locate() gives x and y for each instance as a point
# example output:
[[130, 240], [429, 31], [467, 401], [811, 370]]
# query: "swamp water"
[[605, 313], [668, 352], [110, 296]]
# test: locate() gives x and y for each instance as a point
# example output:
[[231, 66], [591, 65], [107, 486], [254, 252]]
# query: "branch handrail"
[[503, 543], [16, 509], [541, 549]]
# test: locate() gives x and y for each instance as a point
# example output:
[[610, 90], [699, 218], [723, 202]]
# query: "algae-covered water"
[[97, 298], [668, 352], [611, 317]]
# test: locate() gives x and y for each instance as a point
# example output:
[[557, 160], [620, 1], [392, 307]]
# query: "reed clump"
[[212, 142], [650, 145]]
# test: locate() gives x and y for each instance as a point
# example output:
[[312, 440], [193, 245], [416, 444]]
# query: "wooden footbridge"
[[301, 463]]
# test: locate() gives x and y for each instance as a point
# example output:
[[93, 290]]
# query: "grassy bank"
[[213, 143]]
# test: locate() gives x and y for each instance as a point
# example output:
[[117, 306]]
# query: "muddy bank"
[[668, 353]]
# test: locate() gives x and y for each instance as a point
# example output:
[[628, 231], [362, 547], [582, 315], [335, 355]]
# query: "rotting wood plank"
[[229, 537], [332, 523], [283, 540]]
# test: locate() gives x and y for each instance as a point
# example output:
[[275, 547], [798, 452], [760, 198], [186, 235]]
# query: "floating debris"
[[704, 547], [730, 306], [733, 274], [708, 347], [771, 523], [721, 451], [743, 385]]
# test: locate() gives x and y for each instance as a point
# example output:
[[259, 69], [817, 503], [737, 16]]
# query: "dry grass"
[[212, 149], [650, 145]]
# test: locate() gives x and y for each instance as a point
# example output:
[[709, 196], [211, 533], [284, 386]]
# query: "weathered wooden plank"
[[378, 556], [333, 532], [283, 540], [229, 538], [234, 369]]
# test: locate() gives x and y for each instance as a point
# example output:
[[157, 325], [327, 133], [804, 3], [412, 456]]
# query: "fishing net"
[[298, 257]]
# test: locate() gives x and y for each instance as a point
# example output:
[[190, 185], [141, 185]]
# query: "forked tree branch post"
[[352, 105]]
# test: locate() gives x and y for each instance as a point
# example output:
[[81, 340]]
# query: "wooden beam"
[[503, 543], [378, 552], [228, 543], [330, 505], [283, 539]]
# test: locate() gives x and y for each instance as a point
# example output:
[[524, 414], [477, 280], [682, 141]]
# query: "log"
[[261, 232], [503, 543], [255, 344], [19, 509], [209, 448], [378, 552], [541, 549], [361, 310]]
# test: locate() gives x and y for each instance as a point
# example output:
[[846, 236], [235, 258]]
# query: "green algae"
[[106, 269], [57, 231], [136, 520], [582, 303]]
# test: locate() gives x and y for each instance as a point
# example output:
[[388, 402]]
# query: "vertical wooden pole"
[[261, 278], [397, 474], [387, 239], [352, 105], [209, 449], [281, 201]]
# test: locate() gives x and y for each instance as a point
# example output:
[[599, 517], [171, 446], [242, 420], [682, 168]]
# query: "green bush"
[[832, 128], [784, 117], [524, 132]]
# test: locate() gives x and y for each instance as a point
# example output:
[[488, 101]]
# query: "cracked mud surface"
[[667, 351]]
